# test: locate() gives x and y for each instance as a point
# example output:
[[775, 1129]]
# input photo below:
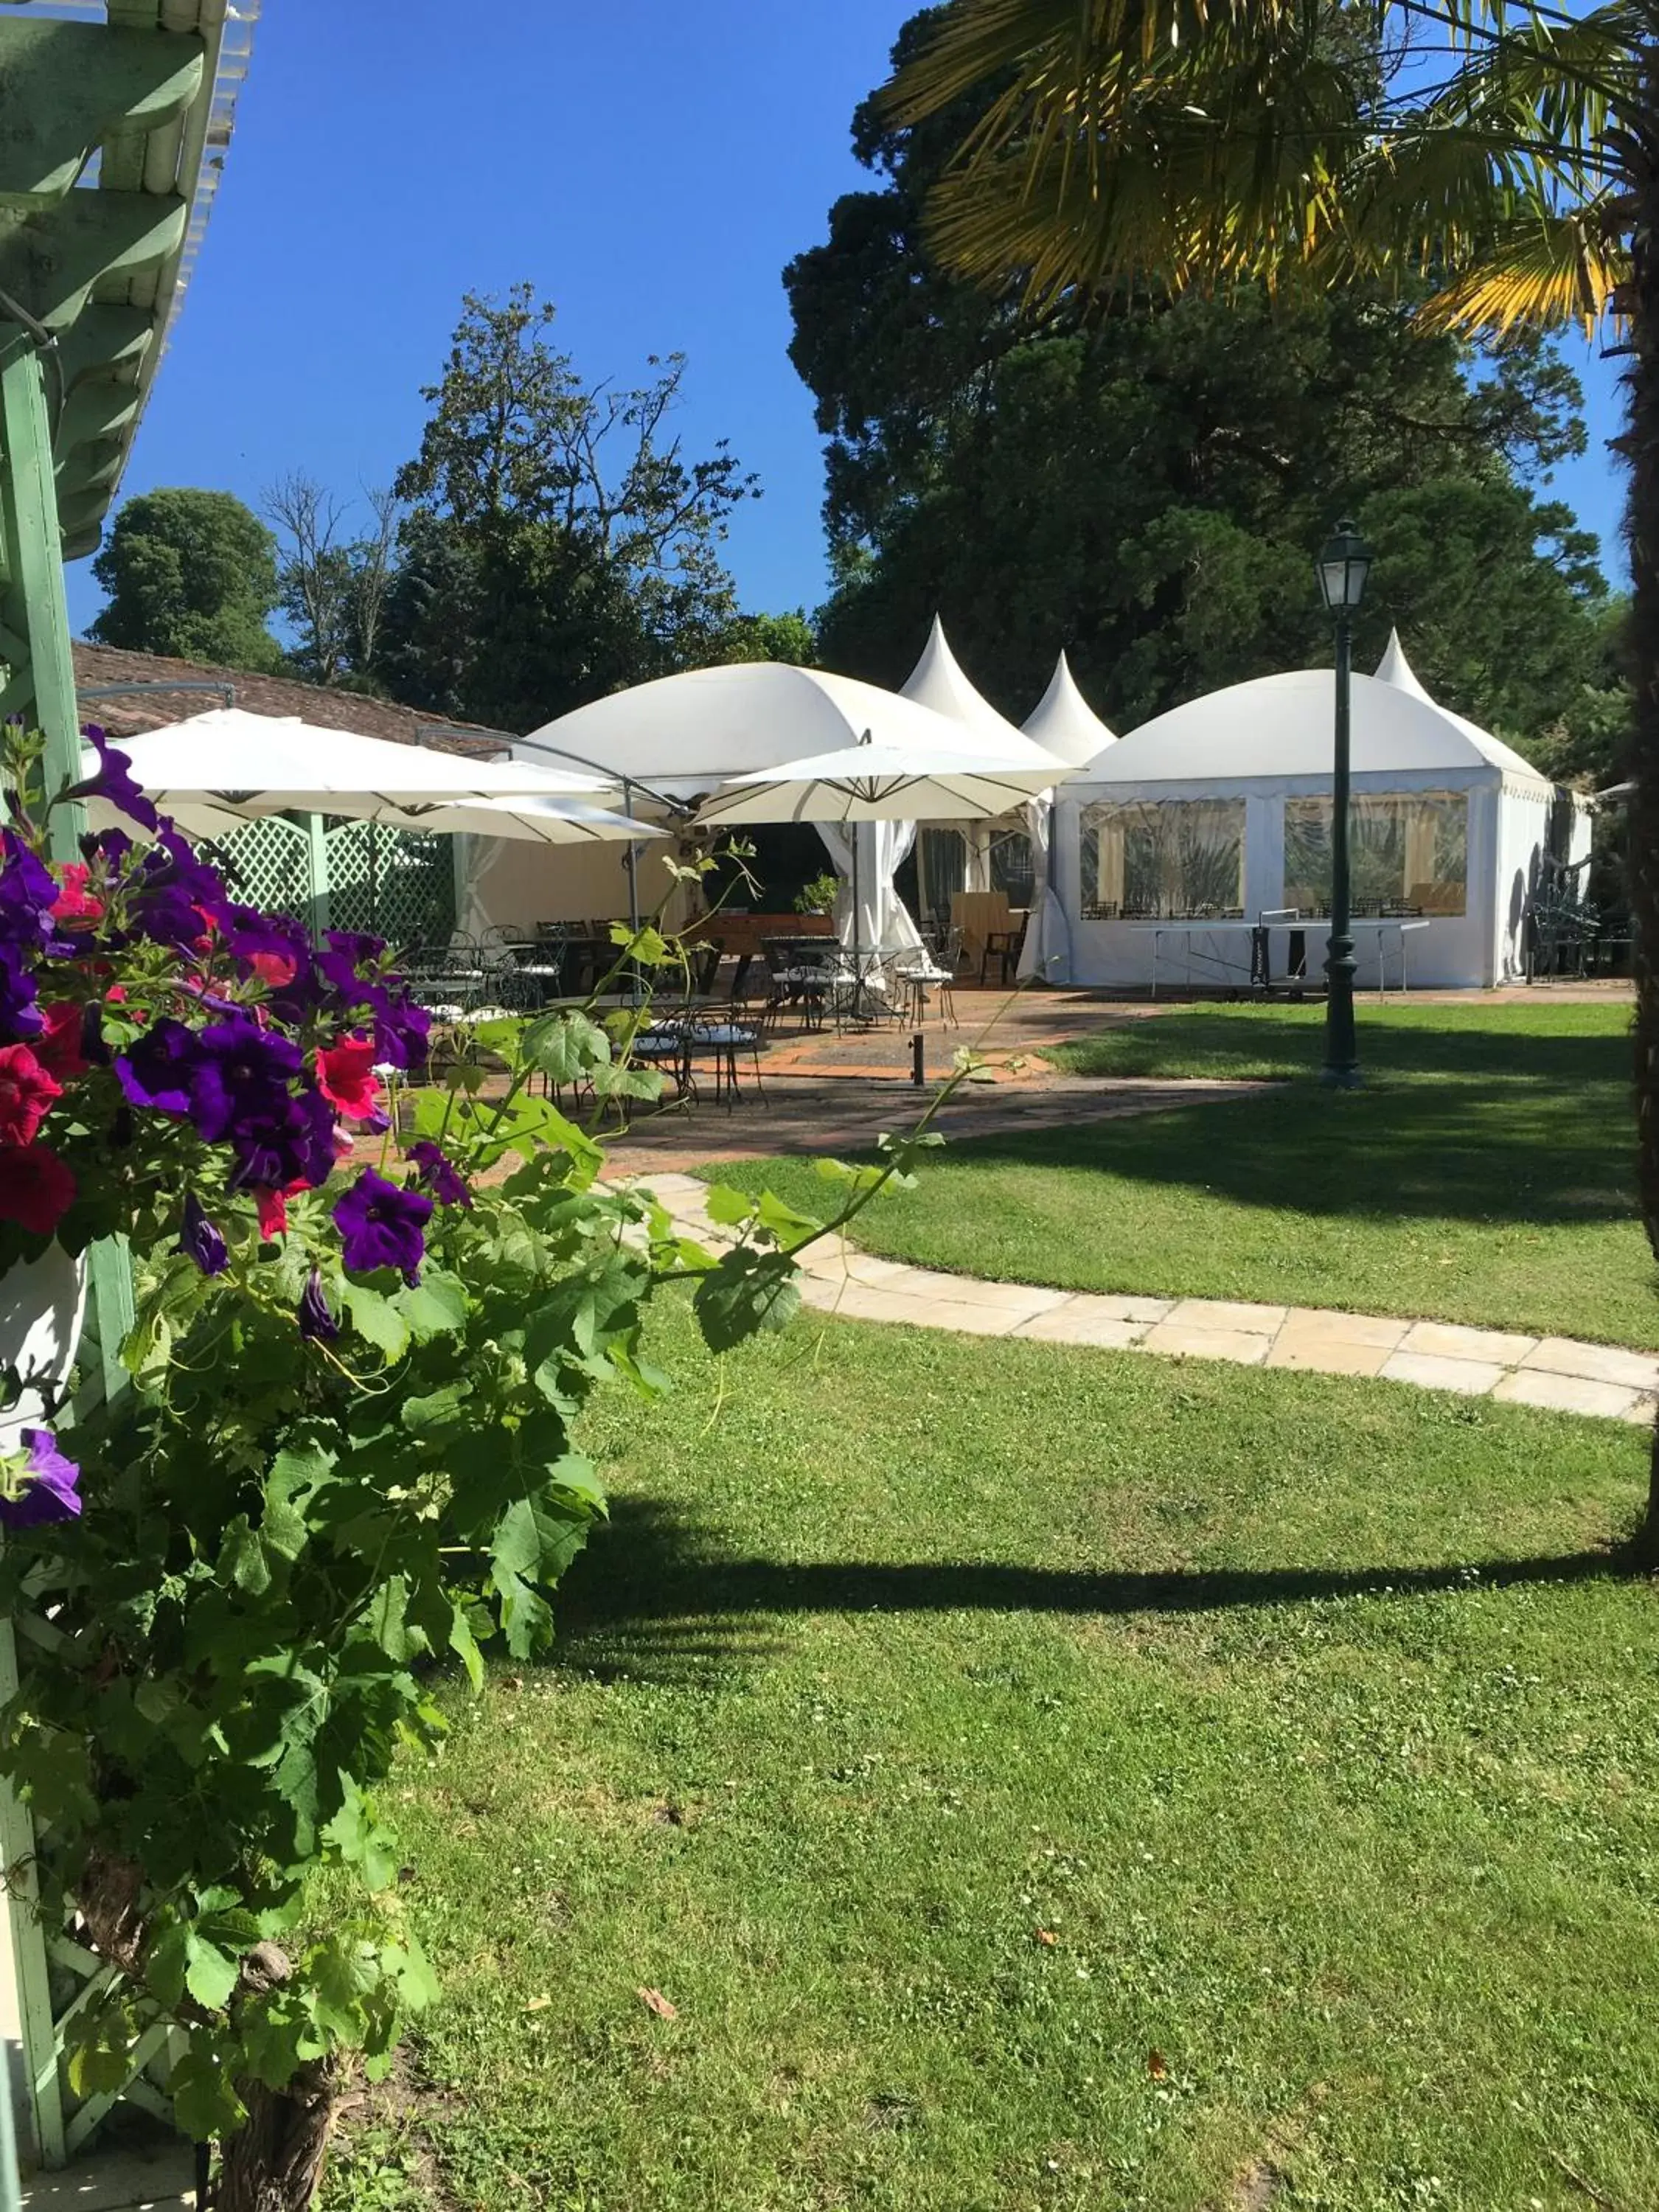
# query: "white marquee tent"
[[683, 736], [1173, 842]]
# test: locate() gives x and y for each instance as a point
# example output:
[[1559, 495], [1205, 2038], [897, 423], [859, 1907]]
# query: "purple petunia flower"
[[20, 1017], [201, 1240], [240, 1074], [317, 1324], [269, 946], [114, 780], [28, 893], [176, 893], [401, 1031], [293, 1142], [155, 1070], [51, 1493], [432, 1169], [381, 1225]]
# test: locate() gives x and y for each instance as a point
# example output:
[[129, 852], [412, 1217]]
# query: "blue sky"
[[649, 165]]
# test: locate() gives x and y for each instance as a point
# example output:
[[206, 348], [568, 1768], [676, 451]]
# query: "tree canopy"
[[192, 573], [1146, 483], [559, 542]]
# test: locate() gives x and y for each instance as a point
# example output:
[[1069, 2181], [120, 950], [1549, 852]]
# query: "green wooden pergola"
[[114, 120]]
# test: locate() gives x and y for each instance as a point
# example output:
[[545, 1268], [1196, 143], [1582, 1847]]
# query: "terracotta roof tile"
[[97, 667]]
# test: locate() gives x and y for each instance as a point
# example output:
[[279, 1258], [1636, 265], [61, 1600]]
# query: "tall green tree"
[[1147, 488], [333, 585], [790, 638], [560, 544], [191, 573]]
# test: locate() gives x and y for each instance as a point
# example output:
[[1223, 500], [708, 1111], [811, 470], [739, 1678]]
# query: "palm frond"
[[1206, 142], [1555, 269]]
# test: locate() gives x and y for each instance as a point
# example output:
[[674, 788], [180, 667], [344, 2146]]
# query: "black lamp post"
[[1343, 567]]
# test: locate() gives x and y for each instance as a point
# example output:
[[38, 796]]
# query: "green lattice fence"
[[268, 864], [397, 884]]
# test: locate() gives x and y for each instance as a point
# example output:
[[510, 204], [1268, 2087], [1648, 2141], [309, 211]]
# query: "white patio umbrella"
[[869, 783], [254, 764], [523, 821]]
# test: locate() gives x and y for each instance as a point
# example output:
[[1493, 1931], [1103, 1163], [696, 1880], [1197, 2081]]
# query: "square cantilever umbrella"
[[870, 782], [218, 771]]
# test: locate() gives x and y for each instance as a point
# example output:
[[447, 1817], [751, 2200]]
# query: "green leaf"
[[361, 1840], [438, 1409], [728, 1208], [464, 1645], [101, 2040], [566, 1047], [243, 1561], [501, 1036], [746, 1293], [627, 1081], [205, 2103], [436, 1306], [387, 1622], [209, 1973], [277, 2039], [374, 1317], [343, 1975], [410, 1969], [534, 1542], [858, 1180], [165, 1961], [149, 1347], [783, 1222]]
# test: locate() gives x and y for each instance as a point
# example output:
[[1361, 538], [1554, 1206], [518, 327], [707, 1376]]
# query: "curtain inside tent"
[[884, 923], [1045, 952], [1165, 860], [941, 872], [1408, 853]]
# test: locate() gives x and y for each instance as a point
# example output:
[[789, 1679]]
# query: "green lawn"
[[1304, 1715], [1484, 1175]]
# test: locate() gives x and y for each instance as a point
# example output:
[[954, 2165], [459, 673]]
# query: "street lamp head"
[[1343, 568]]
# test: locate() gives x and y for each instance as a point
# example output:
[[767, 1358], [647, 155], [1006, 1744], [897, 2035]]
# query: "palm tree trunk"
[[1642, 444]]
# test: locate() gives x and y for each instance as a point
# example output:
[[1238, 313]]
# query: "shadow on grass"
[[1538, 1153], [650, 1602], [1485, 1042]]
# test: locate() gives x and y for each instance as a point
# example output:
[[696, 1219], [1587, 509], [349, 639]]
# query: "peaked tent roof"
[[937, 681], [1280, 726], [689, 733], [1395, 668], [1066, 725]]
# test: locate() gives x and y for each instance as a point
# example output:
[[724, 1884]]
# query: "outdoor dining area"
[[967, 853]]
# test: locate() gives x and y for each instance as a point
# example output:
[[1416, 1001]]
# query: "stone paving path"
[[1554, 1371]]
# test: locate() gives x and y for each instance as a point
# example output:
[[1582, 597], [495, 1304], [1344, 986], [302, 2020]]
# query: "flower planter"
[[43, 1307]]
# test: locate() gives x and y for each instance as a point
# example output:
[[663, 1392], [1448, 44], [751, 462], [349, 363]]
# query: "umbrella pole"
[[858, 932], [632, 864]]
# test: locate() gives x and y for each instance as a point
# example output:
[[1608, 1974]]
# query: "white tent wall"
[[515, 886], [1455, 952], [1524, 824]]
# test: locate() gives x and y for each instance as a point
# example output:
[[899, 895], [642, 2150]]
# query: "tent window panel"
[[1172, 860], [1013, 871], [1408, 853]]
